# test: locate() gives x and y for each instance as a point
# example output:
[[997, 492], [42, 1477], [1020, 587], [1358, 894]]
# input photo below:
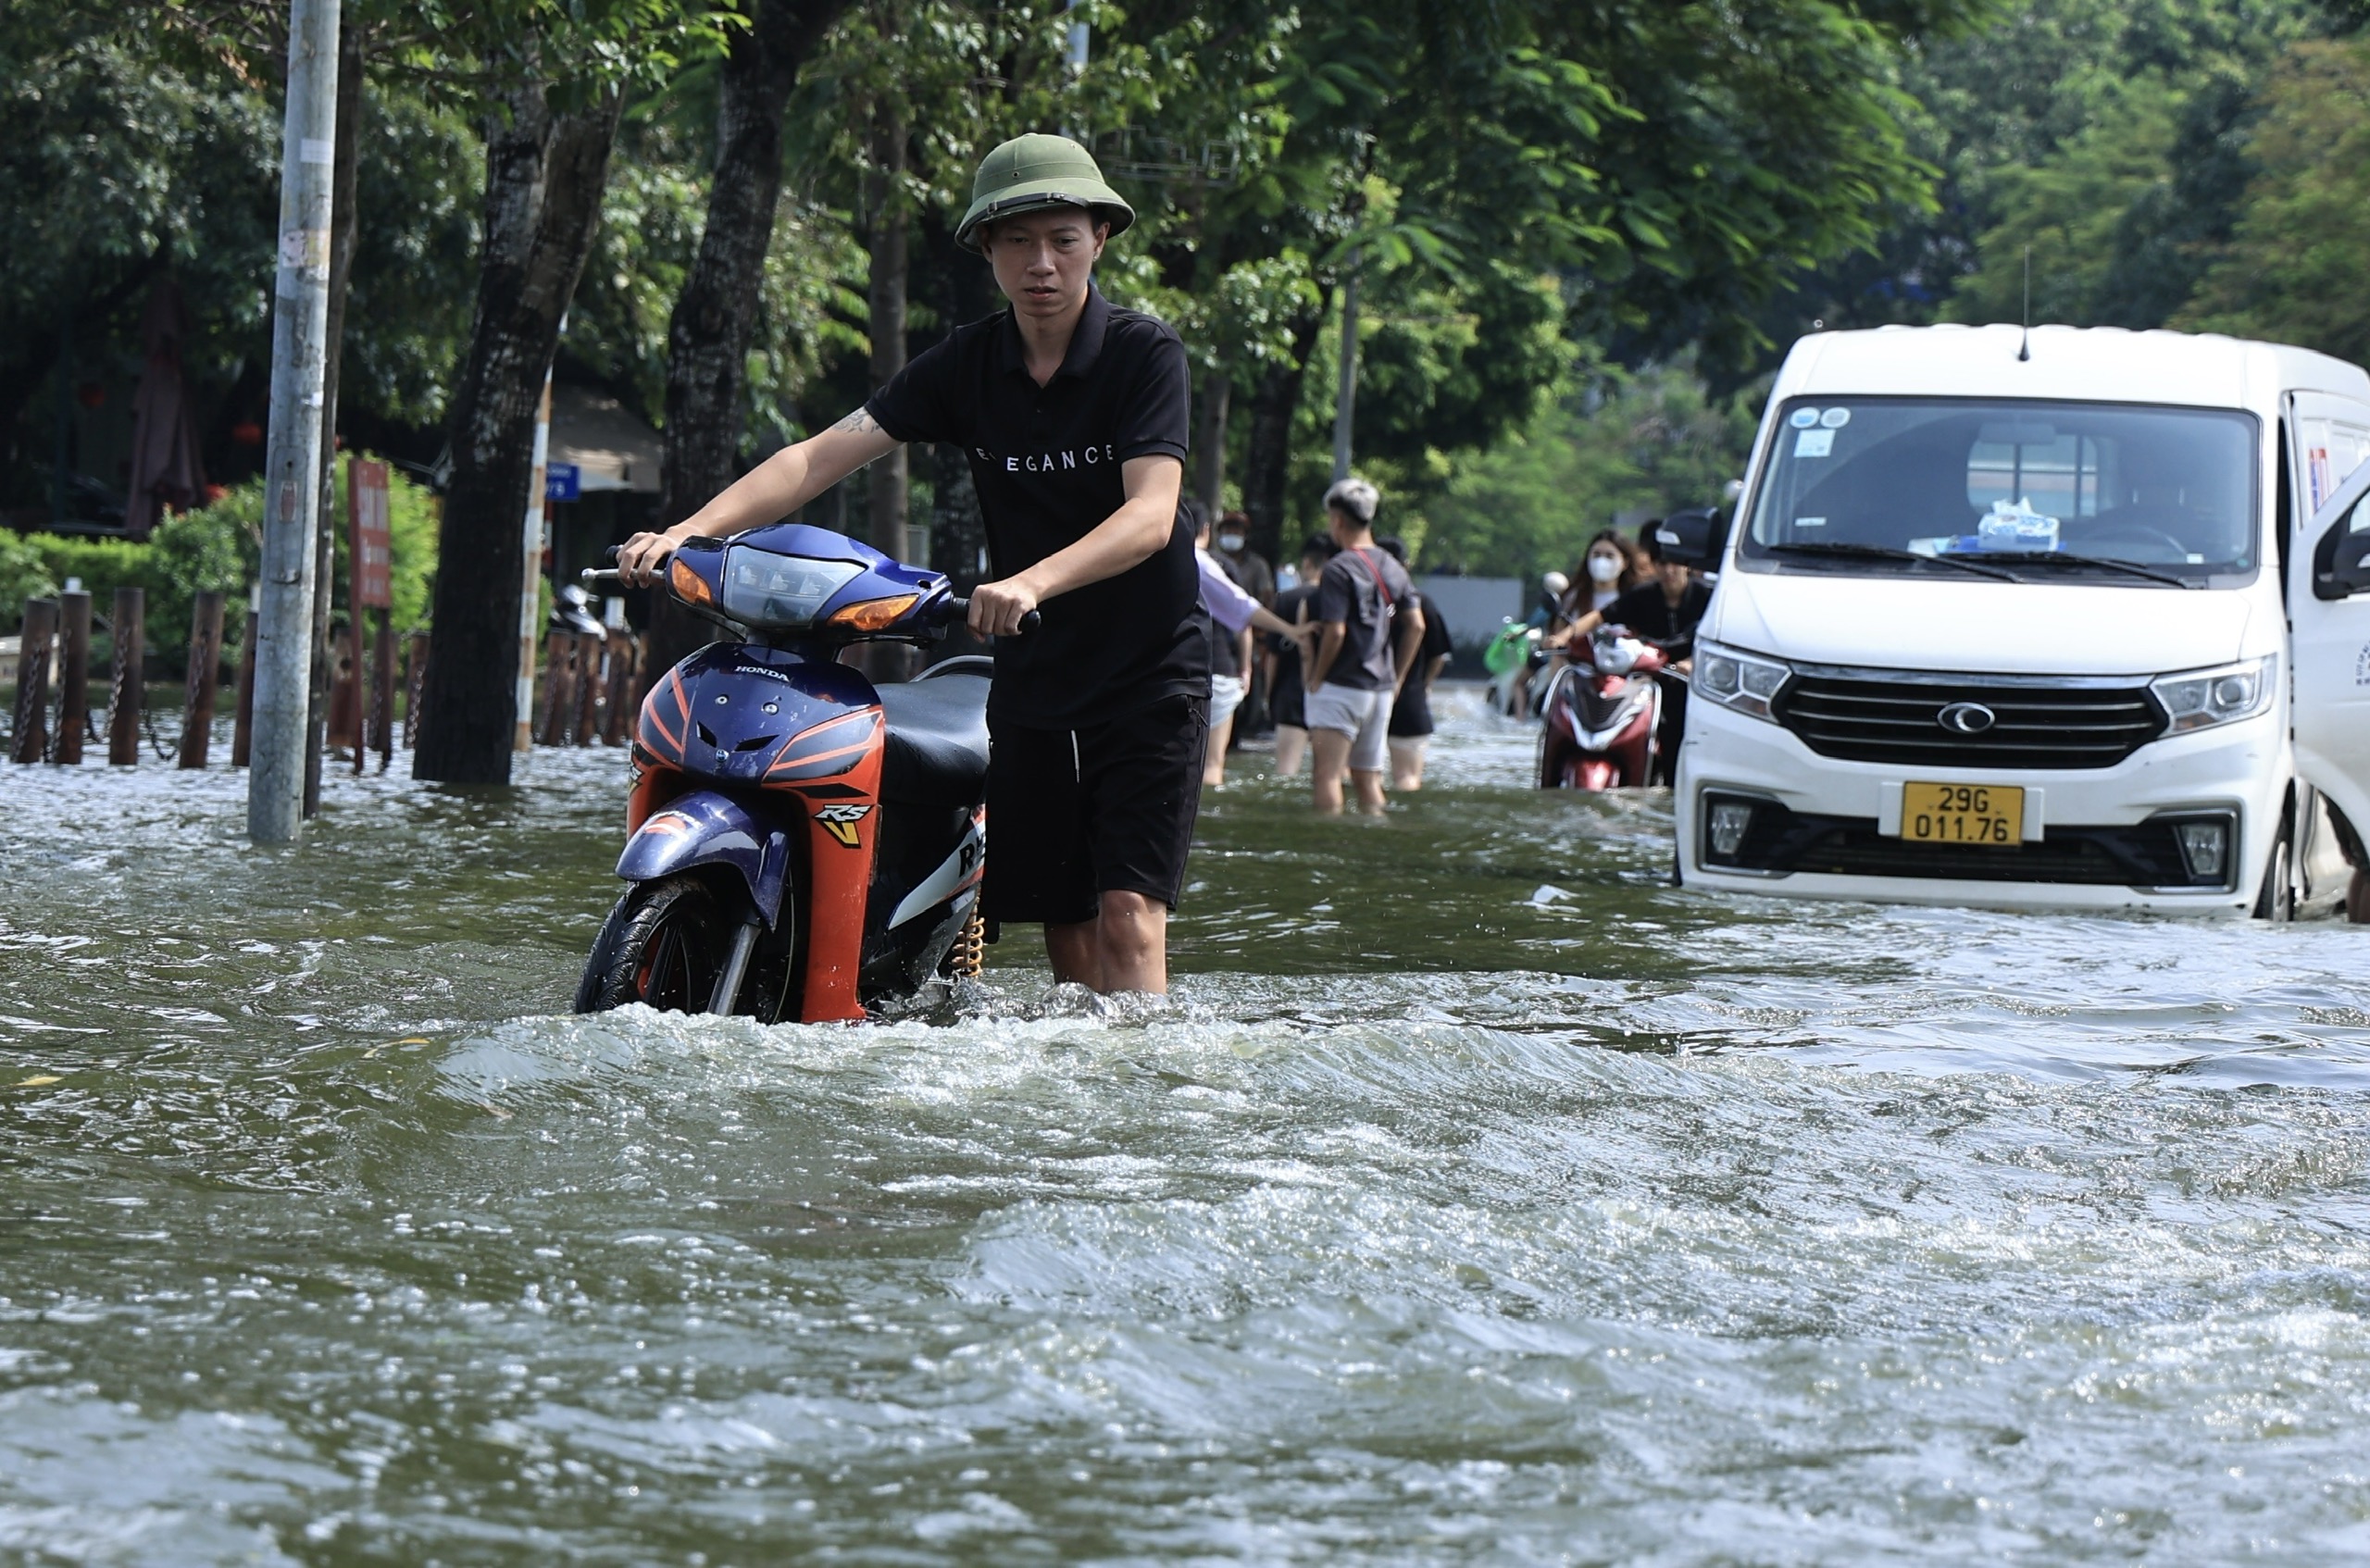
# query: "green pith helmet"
[[1029, 173]]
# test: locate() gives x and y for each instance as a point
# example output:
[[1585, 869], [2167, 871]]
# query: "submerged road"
[[1480, 1199]]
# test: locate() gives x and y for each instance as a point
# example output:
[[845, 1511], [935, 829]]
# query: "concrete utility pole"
[[293, 458], [1346, 404]]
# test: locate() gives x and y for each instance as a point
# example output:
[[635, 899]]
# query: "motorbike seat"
[[937, 751]]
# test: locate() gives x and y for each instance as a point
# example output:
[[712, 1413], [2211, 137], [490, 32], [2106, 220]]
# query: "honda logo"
[[1966, 718]]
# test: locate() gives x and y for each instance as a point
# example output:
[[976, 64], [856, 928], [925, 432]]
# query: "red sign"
[[365, 497]]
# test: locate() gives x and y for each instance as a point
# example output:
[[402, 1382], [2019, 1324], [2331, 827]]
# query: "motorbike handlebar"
[[959, 608], [953, 607]]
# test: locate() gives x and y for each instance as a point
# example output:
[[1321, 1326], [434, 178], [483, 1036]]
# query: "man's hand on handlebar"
[[998, 608], [642, 558]]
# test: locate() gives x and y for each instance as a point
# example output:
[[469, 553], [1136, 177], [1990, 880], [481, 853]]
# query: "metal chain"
[[115, 699]]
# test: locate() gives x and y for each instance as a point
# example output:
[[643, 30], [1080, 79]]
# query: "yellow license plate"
[[1963, 814]]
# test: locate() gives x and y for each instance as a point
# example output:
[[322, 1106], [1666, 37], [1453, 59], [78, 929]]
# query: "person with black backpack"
[[1372, 626]]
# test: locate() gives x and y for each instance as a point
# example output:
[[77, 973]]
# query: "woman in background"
[[1609, 567]]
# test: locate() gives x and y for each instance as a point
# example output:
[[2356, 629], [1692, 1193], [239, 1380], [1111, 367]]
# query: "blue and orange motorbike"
[[799, 841]]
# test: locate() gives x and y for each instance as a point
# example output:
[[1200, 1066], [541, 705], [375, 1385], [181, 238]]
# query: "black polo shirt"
[[1046, 462]]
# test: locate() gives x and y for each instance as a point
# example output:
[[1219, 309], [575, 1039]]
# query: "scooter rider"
[[1664, 610], [1074, 416]]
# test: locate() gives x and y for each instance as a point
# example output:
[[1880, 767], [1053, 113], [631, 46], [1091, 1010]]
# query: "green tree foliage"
[[2109, 135], [2293, 269], [116, 165], [809, 307], [420, 177], [23, 575], [1643, 442]]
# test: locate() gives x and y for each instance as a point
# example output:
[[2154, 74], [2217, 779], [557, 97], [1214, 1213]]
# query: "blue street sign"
[[561, 481]]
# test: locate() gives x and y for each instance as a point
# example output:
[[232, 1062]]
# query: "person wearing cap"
[[1073, 414], [1372, 625]]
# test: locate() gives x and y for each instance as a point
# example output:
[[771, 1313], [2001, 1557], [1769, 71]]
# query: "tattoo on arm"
[[861, 422]]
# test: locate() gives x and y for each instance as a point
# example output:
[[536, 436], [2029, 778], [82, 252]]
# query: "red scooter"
[[1602, 712]]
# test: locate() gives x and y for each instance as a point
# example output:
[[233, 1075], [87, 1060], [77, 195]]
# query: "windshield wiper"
[[1884, 553], [2040, 558]]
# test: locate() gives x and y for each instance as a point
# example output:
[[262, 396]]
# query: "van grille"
[[1858, 717]]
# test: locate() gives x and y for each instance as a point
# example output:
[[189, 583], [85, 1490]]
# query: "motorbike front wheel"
[[664, 945]]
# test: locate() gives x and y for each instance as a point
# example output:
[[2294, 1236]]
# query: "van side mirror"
[[2341, 560], [1693, 538]]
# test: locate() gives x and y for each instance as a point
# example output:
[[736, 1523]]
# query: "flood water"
[[1480, 1199]]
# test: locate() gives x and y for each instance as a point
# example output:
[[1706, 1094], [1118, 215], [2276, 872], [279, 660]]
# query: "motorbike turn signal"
[[688, 585], [873, 615]]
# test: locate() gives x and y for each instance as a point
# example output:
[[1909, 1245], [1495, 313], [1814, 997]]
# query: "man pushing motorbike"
[[1074, 416]]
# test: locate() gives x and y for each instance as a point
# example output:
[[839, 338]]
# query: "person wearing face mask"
[[1664, 610], [1231, 613], [1283, 665], [1232, 547], [1611, 567], [1250, 567]]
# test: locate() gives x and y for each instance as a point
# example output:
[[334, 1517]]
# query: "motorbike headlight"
[[1745, 683], [781, 592], [2200, 699]]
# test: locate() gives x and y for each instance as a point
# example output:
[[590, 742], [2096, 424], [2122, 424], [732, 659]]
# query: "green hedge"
[[22, 576], [216, 546]]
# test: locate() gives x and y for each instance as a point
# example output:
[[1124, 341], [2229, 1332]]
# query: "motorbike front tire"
[[663, 945]]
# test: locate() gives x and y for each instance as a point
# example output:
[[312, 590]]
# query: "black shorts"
[[1075, 814]]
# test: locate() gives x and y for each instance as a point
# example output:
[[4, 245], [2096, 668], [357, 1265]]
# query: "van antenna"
[[2025, 348]]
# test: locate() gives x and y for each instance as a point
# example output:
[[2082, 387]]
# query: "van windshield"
[[2014, 490]]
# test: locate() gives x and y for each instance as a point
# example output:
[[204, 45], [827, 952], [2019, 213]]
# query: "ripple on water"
[[1435, 1221]]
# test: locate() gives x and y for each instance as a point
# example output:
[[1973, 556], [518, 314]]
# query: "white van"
[[2077, 617]]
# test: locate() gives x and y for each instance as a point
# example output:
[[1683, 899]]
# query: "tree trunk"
[[1209, 442], [707, 338], [344, 189], [890, 477], [887, 482], [959, 533], [1266, 459], [545, 176]]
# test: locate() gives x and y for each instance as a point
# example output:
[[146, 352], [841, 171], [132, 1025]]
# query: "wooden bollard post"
[[124, 694], [242, 723], [344, 727], [644, 679], [31, 734], [205, 676], [73, 676], [382, 689], [592, 684], [559, 687], [414, 683], [623, 650], [364, 686]]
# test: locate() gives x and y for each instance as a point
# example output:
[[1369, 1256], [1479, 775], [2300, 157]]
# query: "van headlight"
[[1745, 683], [2200, 699]]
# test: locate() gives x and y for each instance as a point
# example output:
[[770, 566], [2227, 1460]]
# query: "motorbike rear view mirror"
[[1693, 538]]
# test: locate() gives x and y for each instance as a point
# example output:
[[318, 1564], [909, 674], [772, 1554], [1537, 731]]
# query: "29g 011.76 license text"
[[1963, 814]]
